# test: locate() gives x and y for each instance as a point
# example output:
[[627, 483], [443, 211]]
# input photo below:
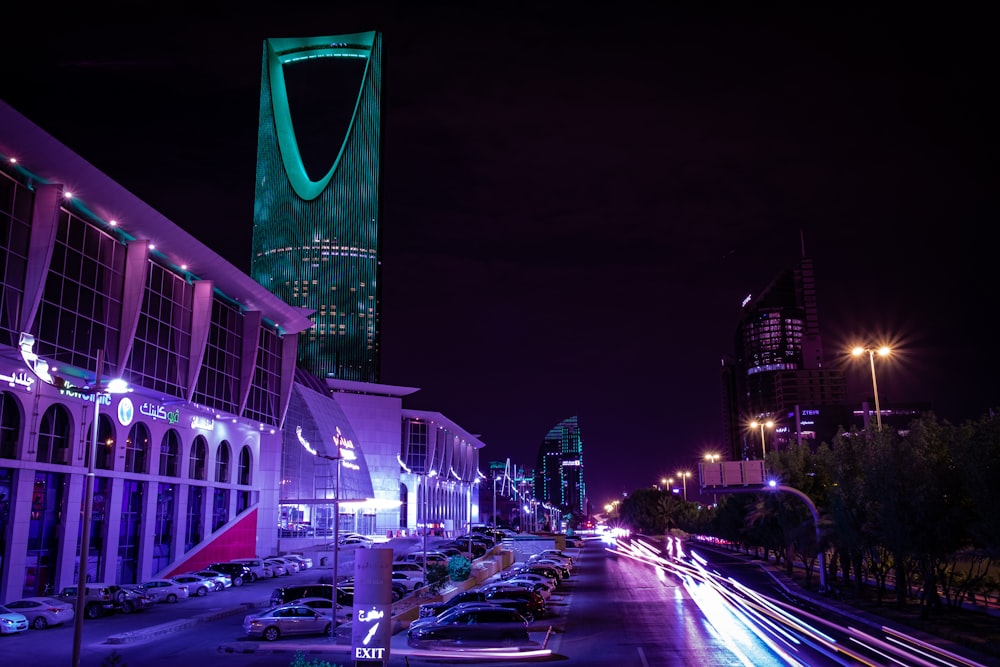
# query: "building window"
[[245, 467], [53, 437], [169, 451], [220, 509], [197, 462], [10, 425], [194, 530], [222, 463], [136, 448], [105, 458], [130, 532], [47, 497], [163, 530]]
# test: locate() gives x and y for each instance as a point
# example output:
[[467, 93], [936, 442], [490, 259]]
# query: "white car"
[[412, 580], [278, 568], [166, 590], [221, 579], [344, 613], [197, 585], [290, 564], [305, 562], [12, 621]]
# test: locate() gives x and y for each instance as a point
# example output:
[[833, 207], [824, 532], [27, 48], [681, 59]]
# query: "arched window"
[[246, 461], [10, 425], [136, 448], [170, 449], [105, 458], [198, 459], [53, 437], [222, 463]]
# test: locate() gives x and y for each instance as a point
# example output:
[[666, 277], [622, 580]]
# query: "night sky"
[[576, 201]]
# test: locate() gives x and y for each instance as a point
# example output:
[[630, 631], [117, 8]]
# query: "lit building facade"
[[559, 469], [187, 462], [316, 227], [778, 372]]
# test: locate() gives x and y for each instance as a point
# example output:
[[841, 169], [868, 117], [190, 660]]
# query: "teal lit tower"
[[559, 468], [317, 203]]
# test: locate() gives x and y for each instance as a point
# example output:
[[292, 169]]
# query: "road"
[[615, 609]]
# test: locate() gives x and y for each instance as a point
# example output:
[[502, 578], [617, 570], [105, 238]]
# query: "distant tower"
[[777, 371], [559, 470], [316, 232]]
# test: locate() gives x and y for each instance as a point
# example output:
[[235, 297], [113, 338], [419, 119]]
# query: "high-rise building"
[[559, 470], [778, 373], [317, 206]]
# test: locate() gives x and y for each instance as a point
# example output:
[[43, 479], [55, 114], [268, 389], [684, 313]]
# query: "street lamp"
[[423, 484], [345, 450], [469, 522], [761, 425], [713, 458], [40, 367], [883, 351], [684, 474]]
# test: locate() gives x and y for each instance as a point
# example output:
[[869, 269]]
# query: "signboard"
[[732, 473], [371, 630]]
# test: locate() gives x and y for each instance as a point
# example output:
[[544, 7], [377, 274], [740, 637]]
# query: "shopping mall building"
[[218, 447]]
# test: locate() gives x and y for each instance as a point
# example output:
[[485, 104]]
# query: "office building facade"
[[559, 469], [317, 206], [185, 463], [778, 372]]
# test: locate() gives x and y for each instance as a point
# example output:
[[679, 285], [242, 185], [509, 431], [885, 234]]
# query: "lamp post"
[[713, 458], [883, 351], [684, 474], [427, 475], [761, 425], [40, 368], [343, 452]]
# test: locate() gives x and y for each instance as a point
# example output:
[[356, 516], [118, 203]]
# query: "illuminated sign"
[[155, 411], [371, 631], [203, 423], [126, 411], [18, 378]]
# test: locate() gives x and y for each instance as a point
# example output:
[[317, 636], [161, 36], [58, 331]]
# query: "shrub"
[[437, 576], [300, 661], [459, 568]]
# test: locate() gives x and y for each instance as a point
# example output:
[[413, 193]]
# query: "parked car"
[[100, 599], [411, 580], [290, 564], [259, 568], [538, 568], [11, 621], [42, 612], [543, 588], [433, 558], [222, 580], [344, 614], [408, 566], [467, 548], [468, 626], [523, 606], [278, 568], [534, 602], [305, 562], [240, 573], [285, 594], [287, 619], [197, 585], [97, 599], [130, 598], [166, 590]]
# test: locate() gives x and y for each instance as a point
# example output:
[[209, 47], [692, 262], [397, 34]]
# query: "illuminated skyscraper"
[[317, 204], [559, 469]]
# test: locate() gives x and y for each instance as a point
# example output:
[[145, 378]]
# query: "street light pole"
[[88, 510], [761, 425], [882, 352], [684, 474]]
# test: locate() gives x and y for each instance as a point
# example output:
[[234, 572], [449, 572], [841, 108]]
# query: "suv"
[[260, 569], [239, 572], [97, 599], [284, 594], [102, 599], [526, 605]]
